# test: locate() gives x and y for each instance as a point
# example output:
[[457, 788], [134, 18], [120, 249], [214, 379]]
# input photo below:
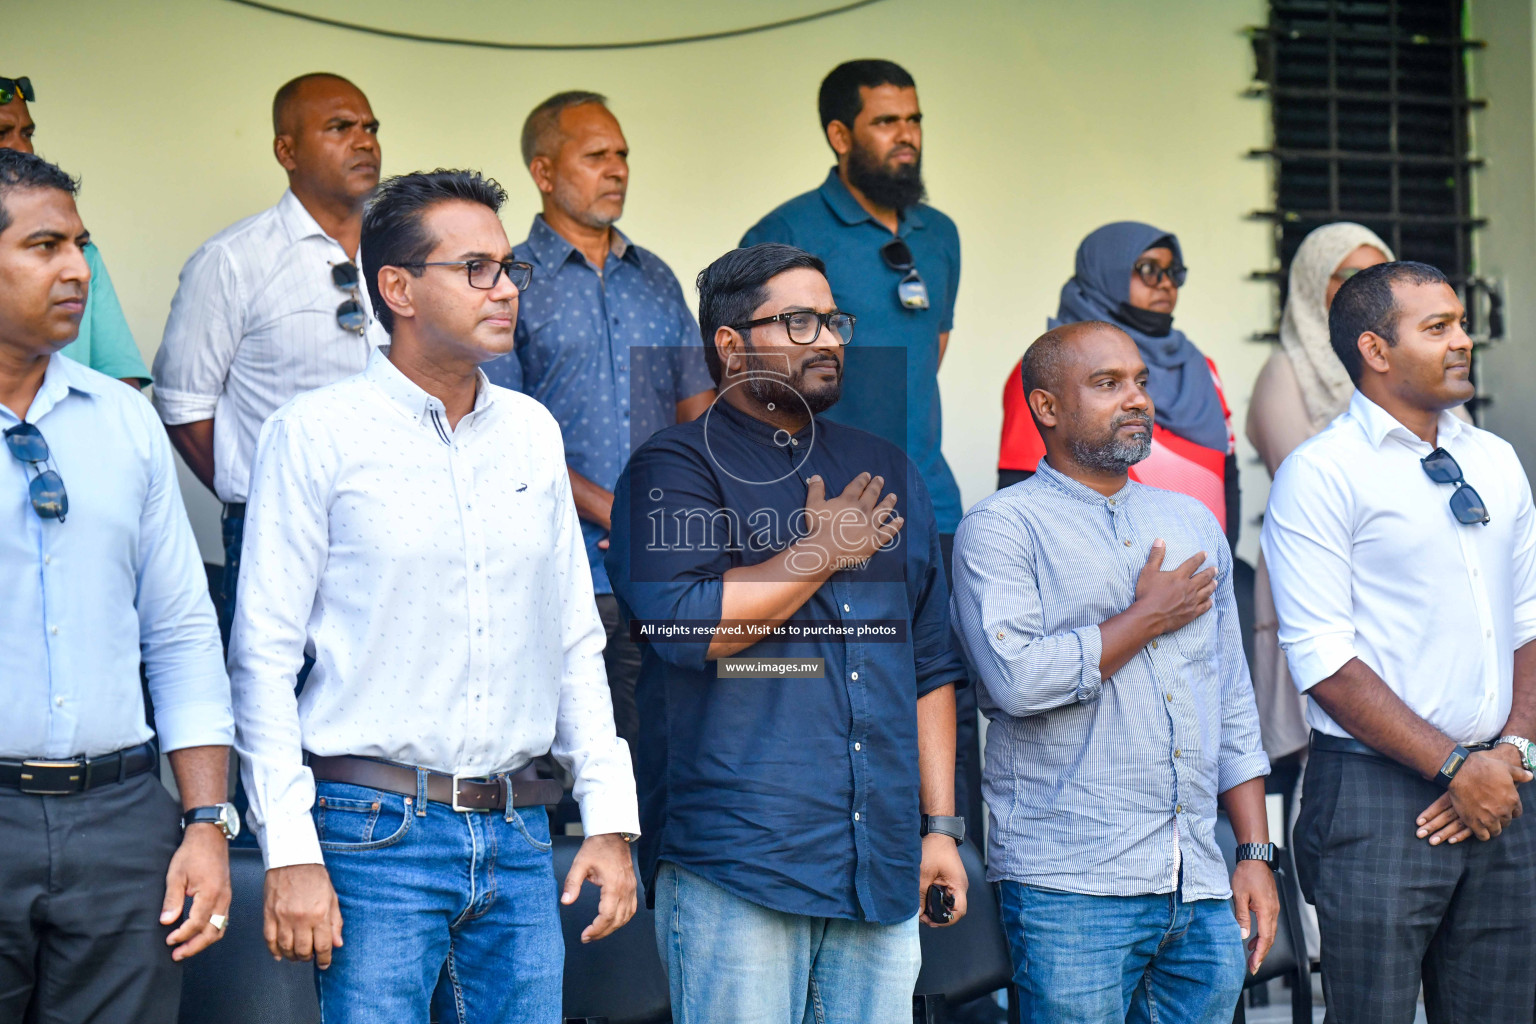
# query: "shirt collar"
[[412, 399], [1081, 491], [760, 431], [552, 250], [298, 220], [848, 210], [62, 376], [1379, 424]]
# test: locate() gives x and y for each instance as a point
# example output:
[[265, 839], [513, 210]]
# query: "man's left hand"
[[942, 867], [1439, 823], [199, 869], [605, 862], [1254, 897]]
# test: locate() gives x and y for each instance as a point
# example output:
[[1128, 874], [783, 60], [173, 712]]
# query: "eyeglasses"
[[1466, 504], [1151, 272], [9, 87], [804, 326], [910, 290], [349, 314], [49, 499], [483, 274]]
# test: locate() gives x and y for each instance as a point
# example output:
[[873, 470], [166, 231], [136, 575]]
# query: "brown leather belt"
[[458, 792]]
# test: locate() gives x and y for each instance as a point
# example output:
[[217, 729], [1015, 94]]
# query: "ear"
[[1373, 349], [728, 342], [1045, 407], [282, 148], [542, 172], [840, 138], [395, 290]]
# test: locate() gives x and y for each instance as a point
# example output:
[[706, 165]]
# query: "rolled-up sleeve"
[[178, 631], [1307, 540], [1242, 754], [997, 613], [1523, 576], [585, 741], [934, 651], [201, 336], [285, 549]]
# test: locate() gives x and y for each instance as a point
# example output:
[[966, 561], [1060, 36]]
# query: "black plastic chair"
[[970, 958], [1288, 956], [616, 980], [236, 981]]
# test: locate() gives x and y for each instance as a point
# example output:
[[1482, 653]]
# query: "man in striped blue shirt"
[[1098, 615]]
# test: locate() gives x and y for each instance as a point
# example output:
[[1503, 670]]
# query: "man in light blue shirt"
[[101, 570], [1121, 711]]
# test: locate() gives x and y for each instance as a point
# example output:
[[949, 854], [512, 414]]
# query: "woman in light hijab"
[[1129, 274], [1301, 389]]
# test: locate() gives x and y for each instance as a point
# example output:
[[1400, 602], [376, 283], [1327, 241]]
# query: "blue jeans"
[[1112, 959], [423, 889], [729, 959]]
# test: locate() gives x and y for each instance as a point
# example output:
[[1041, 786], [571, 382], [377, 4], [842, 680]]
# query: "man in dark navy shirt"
[[604, 337], [787, 779]]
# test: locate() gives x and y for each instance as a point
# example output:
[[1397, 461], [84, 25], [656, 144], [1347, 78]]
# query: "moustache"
[[1135, 418]]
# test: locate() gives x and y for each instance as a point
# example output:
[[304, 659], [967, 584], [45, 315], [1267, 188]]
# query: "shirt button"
[[477, 567], [1169, 697], [847, 609], [54, 630], [1111, 501], [855, 815], [795, 441], [1489, 633], [480, 631], [852, 675], [1001, 635], [1127, 543], [1179, 809], [1474, 571], [58, 702], [1177, 752], [48, 560], [1154, 645], [858, 746]]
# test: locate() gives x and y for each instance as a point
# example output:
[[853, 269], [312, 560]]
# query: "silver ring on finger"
[[219, 921]]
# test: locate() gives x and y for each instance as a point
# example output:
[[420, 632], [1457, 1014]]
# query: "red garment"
[[1175, 464]]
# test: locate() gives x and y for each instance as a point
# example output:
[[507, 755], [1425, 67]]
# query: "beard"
[[894, 189], [573, 204], [1111, 453], [775, 389]]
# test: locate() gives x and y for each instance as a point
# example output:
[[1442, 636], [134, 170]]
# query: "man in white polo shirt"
[[1401, 544]]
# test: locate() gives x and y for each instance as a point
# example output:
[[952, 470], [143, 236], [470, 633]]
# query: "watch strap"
[[1452, 765], [210, 815], [1523, 745], [1257, 851], [945, 825]]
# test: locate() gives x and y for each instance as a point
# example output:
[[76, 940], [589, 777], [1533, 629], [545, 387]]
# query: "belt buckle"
[[454, 803], [51, 778]]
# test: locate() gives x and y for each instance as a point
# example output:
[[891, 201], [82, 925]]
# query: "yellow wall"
[[1044, 119]]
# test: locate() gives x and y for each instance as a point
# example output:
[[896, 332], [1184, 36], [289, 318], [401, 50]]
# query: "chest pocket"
[[1195, 641]]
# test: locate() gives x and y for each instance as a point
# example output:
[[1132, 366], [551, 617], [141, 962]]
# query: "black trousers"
[[968, 802], [622, 660], [81, 881], [1395, 912]]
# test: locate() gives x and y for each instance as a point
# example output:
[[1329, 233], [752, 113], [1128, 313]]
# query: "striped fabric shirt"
[[252, 325], [1099, 786]]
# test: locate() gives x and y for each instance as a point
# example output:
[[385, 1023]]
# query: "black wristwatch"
[[945, 826], [1452, 765], [224, 816], [1257, 851]]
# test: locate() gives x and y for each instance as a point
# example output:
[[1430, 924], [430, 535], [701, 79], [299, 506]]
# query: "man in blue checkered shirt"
[[1098, 615]]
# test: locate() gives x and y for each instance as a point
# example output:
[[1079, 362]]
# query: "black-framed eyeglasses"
[[349, 314], [49, 498], [1151, 272], [1466, 504], [911, 292], [9, 87], [483, 274], [804, 325]]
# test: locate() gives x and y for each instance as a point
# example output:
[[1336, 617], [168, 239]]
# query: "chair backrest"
[[236, 981], [620, 978], [969, 958]]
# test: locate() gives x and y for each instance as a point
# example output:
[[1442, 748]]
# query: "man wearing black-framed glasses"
[[1401, 545], [272, 306], [102, 575], [896, 261]]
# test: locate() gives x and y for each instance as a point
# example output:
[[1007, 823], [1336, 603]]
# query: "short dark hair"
[[1041, 367], [544, 120], [840, 100], [289, 91], [393, 232], [1365, 303], [19, 171], [737, 283]]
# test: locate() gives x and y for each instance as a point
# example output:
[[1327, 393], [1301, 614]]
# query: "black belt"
[[458, 792], [1349, 745], [234, 510], [47, 777]]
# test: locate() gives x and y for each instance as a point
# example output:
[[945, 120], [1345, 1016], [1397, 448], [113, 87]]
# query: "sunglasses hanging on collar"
[[911, 292]]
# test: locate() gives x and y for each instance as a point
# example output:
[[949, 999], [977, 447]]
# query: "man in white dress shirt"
[[101, 573], [272, 306], [1402, 549], [412, 529]]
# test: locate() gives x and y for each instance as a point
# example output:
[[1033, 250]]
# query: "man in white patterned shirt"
[[412, 529], [271, 306]]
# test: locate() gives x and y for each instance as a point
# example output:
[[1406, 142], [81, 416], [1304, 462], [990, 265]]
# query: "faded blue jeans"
[[730, 960], [1114, 959], [423, 888]]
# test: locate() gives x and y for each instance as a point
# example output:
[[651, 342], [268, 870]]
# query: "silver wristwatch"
[[1526, 748]]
